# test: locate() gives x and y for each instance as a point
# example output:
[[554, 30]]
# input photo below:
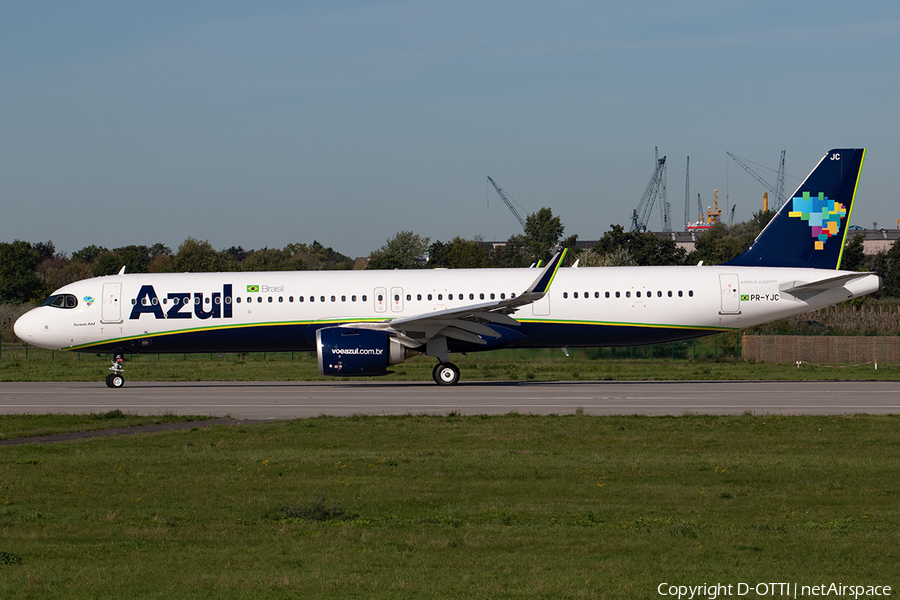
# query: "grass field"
[[511, 506], [712, 362]]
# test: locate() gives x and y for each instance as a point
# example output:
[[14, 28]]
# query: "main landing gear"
[[115, 379], [445, 373]]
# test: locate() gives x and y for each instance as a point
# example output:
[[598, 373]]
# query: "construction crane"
[[687, 193], [509, 202], [656, 187], [778, 189]]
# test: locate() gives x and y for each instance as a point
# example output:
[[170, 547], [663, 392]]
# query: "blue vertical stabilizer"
[[811, 228]]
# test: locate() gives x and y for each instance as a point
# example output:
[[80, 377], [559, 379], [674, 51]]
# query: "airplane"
[[360, 323]]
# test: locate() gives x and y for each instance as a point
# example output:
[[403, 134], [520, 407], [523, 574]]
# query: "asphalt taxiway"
[[291, 400]]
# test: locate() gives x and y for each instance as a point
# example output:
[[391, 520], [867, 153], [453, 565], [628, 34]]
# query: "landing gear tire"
[[114, 380], [445, 374]]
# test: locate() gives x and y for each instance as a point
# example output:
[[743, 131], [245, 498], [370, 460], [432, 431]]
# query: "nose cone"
[[29, 329]]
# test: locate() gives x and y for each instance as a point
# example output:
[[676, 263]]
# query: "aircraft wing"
[[468, 322]]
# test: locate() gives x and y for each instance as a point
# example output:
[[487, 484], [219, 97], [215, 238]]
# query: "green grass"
[[20, 426], [454, 507], [647, 364]]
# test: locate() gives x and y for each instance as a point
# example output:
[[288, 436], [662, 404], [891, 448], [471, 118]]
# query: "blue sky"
[[261, 124]]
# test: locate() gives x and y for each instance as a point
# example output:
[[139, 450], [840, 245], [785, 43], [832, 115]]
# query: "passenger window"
[[481, 296], [659, 294], [691, 293], [503, 296], [597, 294], [440, 296], [321, 298], [353, 298], [270, 299], [680, 293], [280, 298], [492, 295], [175, 300], [471, 296], [617, 295], [429, 296], [628, 294], [332, 299], [575, 295], [343, 298], [565, 294], [607, 294], [380, 298], [418, 296], [408, 297], [364, 298], [670, 293], [638, 294]]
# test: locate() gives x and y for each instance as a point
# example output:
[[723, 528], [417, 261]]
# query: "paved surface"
[[289, 400]]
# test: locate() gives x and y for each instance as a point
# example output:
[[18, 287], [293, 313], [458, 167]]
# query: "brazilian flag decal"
[[744, 298], [252, 288]]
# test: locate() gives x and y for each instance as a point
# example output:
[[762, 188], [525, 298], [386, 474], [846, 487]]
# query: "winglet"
[[542, 283]]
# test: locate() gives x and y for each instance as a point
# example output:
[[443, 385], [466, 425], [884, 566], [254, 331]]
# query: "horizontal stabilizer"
[[802, 287]]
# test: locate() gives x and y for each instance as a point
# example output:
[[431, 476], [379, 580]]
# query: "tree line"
[[29, 272]]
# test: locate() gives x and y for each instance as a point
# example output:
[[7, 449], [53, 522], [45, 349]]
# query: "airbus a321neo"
[[362, 322]]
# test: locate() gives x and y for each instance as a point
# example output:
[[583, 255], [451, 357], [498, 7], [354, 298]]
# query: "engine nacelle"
[[347, 351]]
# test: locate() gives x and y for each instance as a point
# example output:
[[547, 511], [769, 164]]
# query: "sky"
[[267, 123]]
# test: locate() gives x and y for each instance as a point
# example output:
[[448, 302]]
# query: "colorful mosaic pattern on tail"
[[823, 215]]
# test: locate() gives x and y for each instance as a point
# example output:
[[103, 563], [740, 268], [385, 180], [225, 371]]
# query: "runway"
[[291, 400]]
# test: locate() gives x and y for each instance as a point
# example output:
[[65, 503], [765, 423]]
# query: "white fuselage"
[[256, 311]]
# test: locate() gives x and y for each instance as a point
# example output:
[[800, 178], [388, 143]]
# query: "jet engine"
[[347, 351]]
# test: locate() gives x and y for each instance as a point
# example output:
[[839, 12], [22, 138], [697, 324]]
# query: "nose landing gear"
[[115, 379]]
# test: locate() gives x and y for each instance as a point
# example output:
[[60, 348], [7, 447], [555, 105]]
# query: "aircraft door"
[[731, 294], [541, 308], [380, 297], [111, 309], [397, 299]]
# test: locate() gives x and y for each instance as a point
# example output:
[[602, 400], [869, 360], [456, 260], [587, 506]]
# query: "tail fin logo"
[[823, 215]]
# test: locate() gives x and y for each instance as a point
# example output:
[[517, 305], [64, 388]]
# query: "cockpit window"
[[61, 301]]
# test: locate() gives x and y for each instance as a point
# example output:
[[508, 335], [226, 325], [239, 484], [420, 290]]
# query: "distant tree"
[[891, 273], [88, 254], [267, 260], [619, 257], [514, 253], [194, 256], [316, 257], [19, 281], [644, 248], [160, 263], [457, 254], [406, 250], [438, 255], [134, 258], [70, 272], [542, 233], [853, 257], [716, 246]]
